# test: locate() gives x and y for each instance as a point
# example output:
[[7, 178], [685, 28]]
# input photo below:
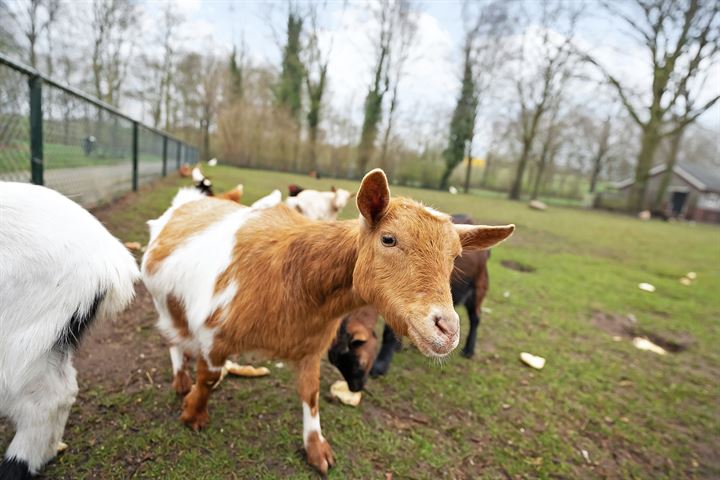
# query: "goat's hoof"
[[195, 420], [378, 370], [467, 353], [182, 383], [319, 453]]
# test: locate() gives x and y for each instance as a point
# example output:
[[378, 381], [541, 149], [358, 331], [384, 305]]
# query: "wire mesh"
[[14, 126], [87, 149], [173, 155], [150, 145]]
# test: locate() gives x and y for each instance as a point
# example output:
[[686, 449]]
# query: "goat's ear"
[[481, 237], [373, 197]]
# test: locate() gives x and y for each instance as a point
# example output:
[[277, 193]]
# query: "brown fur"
[[177, 313], [195, 412], [319, 453], [234, 195]]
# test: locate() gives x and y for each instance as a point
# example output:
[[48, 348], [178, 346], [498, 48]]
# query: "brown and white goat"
[[227, 279]]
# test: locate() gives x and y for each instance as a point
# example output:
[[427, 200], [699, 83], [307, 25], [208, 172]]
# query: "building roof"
[[705, 178], [708, 175]]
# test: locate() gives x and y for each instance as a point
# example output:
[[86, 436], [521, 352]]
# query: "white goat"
[[61, 270], [320, 205]]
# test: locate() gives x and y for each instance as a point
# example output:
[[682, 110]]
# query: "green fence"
[[54, 135]]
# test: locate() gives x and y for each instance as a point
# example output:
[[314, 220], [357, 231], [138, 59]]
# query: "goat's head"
[[406, 253], [355, 346], [341, 199]]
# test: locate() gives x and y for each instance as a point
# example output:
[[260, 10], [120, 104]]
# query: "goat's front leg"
[[195, 412], [390, 344], [319, 453]]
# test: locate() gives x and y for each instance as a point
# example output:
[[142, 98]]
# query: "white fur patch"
[[197, 175], [183, 196], [268, 201], [177, 359], [190, 273], [310, 423]]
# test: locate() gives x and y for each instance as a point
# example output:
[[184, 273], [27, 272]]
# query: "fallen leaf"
[[133, 245], [61, 447], [646, 287]]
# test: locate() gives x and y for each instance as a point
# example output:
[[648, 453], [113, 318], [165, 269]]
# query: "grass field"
[[58, 155], [634, 413]]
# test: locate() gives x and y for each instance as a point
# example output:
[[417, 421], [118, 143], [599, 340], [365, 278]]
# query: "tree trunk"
[[675, 142], [600, 154], [486, 171], [538, 179], [468, 170], [516, 188], [597, 166], [312, 152], [648, 147], [206, 140], [386, 137]]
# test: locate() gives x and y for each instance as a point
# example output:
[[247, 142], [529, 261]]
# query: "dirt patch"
[[627, 327], [517, 266]]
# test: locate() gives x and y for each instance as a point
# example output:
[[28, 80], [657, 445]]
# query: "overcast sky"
[[431, 83]]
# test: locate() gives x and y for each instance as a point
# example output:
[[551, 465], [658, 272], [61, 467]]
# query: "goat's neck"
[[326, 261]]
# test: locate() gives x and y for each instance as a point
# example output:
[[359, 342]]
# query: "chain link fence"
[[54, 135]]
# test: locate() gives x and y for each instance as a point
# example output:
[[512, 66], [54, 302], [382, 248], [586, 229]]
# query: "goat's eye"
[[389, 241], [357, 343]]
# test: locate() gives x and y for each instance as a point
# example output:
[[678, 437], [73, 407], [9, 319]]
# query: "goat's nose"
[[446, 326]]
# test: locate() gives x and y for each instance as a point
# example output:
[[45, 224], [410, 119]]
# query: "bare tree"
[[199, 83], [33, 18], [171, 21], [683, 40], [405, 37], [602, 148], [390, 16], [316, 66], [537, 96], [112, 25], [550, 145]]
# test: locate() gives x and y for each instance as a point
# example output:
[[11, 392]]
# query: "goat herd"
[[285, 279]]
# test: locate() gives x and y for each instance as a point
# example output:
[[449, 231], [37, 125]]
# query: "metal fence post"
[[179, 153], [164, 168], [36, 130], [135, 156]]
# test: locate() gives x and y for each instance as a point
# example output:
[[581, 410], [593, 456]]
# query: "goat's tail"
[[120, 288]]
